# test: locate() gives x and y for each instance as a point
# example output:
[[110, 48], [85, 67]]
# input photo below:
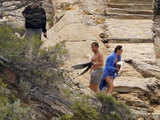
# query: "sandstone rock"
[[132, 99], [156, 30], [126, 28], [134, 12], [94, 6], [145, 69], [139, 114], [156, 38], [71, 29], [156, 116], [130, 84]]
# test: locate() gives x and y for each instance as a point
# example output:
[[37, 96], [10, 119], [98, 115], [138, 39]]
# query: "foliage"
[[112, 109], [10, 106], [82, 110], [10, 45], [44, 65], [67, 117], [43, 70]]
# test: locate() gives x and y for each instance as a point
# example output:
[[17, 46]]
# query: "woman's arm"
[[110, 64]]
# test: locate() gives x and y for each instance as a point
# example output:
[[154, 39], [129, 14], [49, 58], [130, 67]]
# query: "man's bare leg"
[[94, 87], [109, 81]]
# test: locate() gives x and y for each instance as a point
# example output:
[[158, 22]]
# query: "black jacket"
[[35, 18]]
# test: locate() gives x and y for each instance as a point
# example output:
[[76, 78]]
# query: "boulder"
[[147, 70], [130, 84]]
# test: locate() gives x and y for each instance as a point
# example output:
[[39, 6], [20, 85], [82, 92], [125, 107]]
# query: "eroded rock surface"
[[79, 23]]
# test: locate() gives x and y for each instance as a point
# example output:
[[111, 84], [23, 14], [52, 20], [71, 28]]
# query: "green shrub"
[[82, 110], [43, 71], [67, 117], [11, 46], [112, 109], [44, 68], [14, 111], [10, 106]]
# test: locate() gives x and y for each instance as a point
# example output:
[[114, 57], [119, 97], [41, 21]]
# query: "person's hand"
[[92, 68], [45, 34], [90, 71], [117, 69]]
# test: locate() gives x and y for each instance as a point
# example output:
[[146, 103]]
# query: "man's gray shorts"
[[96, 76]]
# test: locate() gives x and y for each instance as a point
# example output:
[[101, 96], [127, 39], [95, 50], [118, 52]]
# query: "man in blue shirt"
[[111, 70]]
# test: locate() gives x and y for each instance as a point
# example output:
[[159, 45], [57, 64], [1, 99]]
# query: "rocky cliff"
[[156, 31], [81, 22], [129, 23]]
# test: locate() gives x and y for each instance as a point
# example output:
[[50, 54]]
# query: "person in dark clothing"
[[35, 18], [35, 24]]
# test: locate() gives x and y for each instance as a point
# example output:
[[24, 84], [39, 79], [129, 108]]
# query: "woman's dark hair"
[[95, 44], [118, 47]]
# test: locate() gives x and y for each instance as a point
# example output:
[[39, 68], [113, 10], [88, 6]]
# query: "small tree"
[[30, 79]]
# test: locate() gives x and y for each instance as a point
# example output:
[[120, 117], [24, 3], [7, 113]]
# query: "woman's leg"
[[109, 81]]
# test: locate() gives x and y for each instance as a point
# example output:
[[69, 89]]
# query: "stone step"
[[131, 6], [129, 40], [131, 1], [127, 28], [125, 11], [128, 16]]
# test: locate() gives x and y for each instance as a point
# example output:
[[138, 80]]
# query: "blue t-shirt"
[[110, 69]]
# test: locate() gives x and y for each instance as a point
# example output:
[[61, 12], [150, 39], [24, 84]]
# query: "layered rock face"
[[79, 23], [131, 9], [156, 31]]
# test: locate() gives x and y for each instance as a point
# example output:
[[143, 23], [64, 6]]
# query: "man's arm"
[[25, 11], [43, 19]]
